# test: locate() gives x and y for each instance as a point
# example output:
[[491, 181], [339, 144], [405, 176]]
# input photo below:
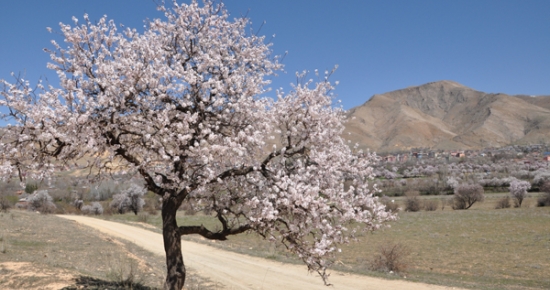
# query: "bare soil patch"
[[25, 275]]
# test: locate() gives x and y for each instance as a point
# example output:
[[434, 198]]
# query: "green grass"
[[478, 248]]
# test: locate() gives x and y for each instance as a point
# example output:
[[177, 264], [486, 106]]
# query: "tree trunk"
[[175, 277]]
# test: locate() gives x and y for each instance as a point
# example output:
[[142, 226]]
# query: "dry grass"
[[480, 248], [47, 252]]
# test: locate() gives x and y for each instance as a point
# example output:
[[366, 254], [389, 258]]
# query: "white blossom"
[[183, 106]]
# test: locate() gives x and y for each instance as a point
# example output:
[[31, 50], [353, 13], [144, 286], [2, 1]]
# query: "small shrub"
[[466, 195], [143, 217], [97, 208], [391, 257], [431, 204], [545, 187], [31, 187], [41, 201], [391, 205], [78, 203], [4, 204], [412, 202], [2, 245], [503, 203], [124, 273], [119, 203], [444, 202], [94, 209], [108, 210], [544, 200], [152, 211]]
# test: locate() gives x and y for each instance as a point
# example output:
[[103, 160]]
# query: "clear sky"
[[380, 46]]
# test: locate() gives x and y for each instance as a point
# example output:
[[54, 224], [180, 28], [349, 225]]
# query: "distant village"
[[526, 153]]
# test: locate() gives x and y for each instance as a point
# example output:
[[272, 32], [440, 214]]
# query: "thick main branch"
[[206, 233]]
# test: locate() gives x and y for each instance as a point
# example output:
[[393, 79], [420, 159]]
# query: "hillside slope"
[[448, 115]]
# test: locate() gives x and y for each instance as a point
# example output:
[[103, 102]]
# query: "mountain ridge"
[[447, 115]]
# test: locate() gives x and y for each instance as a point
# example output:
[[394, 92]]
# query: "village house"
[[390, 158], [457, 154], [418, 155]]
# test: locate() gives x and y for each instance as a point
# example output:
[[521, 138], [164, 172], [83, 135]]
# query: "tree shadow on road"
[[91, 283]]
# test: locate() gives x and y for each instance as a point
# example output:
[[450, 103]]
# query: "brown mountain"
[[448, 115]]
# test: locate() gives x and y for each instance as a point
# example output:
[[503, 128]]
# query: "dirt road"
[[237, 271]]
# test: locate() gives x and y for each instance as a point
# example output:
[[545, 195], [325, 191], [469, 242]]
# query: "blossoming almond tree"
[[518, 190], [180, 105]]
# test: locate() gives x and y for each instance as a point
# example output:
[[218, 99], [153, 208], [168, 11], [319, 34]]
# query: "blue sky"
[[380, 46]]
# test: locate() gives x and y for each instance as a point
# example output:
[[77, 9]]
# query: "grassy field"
[[479, 248], [46, 252]]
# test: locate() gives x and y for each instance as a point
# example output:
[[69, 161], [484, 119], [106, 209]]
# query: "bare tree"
[[183, 106], [503, 203], [412, 202], [391, 257], [430, 204], [466, 195]]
